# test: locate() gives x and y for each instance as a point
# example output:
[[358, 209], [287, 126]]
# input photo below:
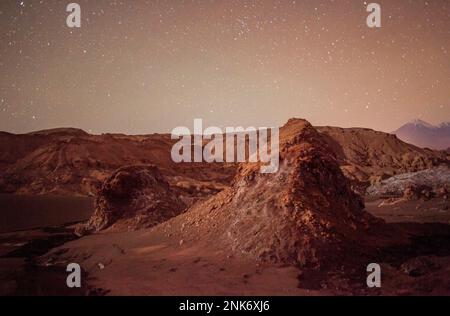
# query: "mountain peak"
[[419, 122], [423, 134]]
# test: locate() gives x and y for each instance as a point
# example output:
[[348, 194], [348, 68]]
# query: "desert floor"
[[147, 262]]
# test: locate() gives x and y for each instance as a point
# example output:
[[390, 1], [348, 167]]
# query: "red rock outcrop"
[[69, 161], [367, 156], [73, 162], [304, 214], [134, 197]]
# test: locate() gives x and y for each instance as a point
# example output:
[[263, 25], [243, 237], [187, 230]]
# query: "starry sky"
[[140, 67]]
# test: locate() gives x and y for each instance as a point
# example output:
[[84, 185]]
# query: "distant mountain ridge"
[[69, 161], [423, 134]]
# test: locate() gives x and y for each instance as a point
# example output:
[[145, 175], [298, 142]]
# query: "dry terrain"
[[160, 228]]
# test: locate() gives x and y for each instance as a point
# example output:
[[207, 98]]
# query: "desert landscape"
[[143, 225], [224, 148]]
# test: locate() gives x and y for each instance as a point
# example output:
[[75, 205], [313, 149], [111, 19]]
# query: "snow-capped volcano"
[[444, 125], [423, 134], [419, 123]]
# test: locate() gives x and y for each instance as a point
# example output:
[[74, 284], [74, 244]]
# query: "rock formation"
[[69, 161], [367, 156], [414, 185], [134, 197], [73, 162], [306, 214]]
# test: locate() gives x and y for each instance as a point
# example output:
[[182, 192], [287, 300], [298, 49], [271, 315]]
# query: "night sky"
[[149, 66]]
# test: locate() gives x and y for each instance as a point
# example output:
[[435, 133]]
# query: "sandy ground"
[[147, 262], [151, 265]]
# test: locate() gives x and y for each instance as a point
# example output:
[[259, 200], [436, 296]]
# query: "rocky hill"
[[301, 215], [367, 156], [69, 161]]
